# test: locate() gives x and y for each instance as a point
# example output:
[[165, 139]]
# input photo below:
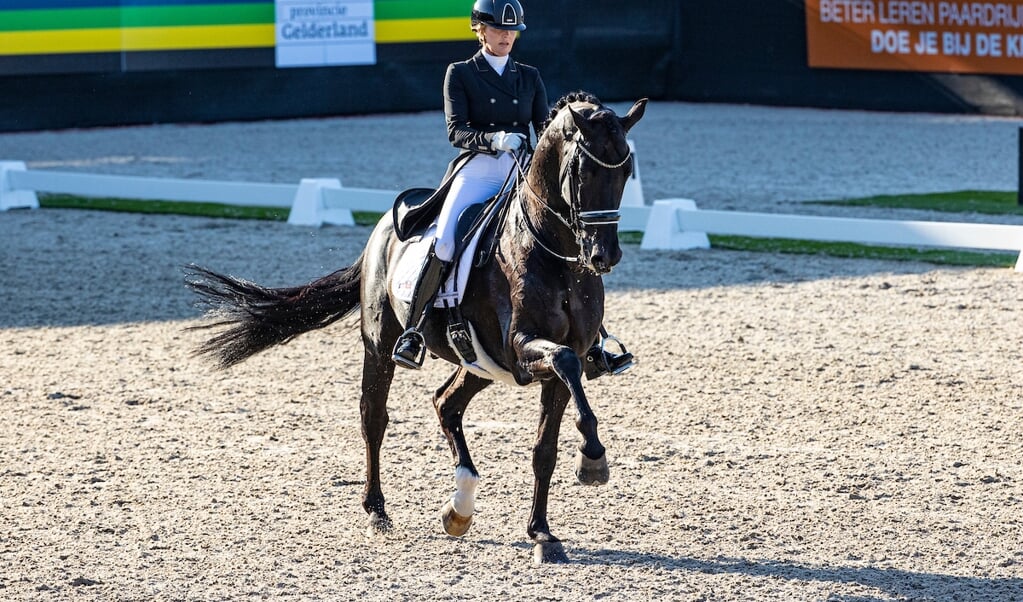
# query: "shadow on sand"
[[894, 582]]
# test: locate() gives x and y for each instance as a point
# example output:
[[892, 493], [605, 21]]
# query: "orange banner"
[[916, 35]]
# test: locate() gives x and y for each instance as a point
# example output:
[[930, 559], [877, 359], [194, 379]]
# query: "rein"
[[581, 219]]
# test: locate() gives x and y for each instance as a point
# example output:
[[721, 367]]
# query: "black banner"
[[693, 50]]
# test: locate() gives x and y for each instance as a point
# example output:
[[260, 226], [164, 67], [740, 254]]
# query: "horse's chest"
[[558, 307]]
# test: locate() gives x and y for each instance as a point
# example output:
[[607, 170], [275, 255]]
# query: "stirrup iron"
[[410, 350], [600, 361]]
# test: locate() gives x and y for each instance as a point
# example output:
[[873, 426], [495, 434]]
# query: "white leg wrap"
[[464, 500]]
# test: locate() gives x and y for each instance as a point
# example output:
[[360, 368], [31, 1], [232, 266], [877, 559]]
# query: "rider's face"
[[497, 42]]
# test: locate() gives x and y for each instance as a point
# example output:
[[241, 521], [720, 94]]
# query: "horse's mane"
[[564, 101]]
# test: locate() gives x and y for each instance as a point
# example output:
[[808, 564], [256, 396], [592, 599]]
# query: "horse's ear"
[[634, 114], [581, 122]]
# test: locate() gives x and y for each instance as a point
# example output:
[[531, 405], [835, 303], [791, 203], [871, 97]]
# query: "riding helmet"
[[499, 14]]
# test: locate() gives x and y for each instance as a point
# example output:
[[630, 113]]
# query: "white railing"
[[667, 224], [312, 202], [678, 224]]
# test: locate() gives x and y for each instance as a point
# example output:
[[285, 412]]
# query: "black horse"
[[533, 309]]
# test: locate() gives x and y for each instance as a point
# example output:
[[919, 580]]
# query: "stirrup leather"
[[600, 361]]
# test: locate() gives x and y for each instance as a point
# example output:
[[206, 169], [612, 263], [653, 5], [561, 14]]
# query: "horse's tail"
[[257, 318]]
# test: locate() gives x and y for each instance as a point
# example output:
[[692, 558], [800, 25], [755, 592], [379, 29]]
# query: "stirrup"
[[410, 350], [600, 361]]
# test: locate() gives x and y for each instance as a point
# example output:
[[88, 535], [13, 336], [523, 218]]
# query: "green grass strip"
[[67, 201], [137, 16], [988, 202], [737, 243], [858, 251], [848, 250], [280, 214]]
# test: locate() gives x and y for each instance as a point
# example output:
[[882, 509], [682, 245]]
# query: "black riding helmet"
[[499, 14]]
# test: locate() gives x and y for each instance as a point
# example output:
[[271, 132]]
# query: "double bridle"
[[577, 220]]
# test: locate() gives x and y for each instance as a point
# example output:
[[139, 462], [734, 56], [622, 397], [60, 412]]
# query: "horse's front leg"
[[450, 402], [591, 466], [562, 369], [591, 460], [553, 400]]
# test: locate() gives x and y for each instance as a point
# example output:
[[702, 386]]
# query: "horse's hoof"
[[549, 552], [455, 524], [591, 472], [379, 524]]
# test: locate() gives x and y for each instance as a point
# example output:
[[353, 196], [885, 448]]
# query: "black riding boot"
[[410, 349], [599, 360]]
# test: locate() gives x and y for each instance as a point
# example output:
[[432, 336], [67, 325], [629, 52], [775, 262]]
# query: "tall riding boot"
[[410, 349], [599, 360]]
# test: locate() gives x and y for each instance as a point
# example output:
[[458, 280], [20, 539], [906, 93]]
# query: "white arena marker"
[[632, 196], [310, 208], [663, 229], [10, 196]]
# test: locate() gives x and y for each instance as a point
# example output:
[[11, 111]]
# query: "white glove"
[[506, 141]]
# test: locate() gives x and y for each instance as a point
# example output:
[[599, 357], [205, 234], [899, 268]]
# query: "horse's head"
[[586, 141]]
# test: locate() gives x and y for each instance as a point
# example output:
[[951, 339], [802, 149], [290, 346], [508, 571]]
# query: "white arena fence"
[[673, 224], [678, 224]]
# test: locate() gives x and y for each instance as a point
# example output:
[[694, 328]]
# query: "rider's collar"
[[497, 63]]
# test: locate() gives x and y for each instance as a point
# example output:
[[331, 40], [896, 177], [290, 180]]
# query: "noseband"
[[578, 220]]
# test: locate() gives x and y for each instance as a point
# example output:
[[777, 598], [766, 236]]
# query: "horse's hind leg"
[[377, 373], [450, 402]]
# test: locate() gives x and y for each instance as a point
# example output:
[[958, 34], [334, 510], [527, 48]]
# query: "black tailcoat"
[[477, 103]]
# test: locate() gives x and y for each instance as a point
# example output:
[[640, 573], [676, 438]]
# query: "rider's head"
[[498, 14], [497, 23]]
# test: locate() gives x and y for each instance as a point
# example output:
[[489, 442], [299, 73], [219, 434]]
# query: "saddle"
[[415, 211]]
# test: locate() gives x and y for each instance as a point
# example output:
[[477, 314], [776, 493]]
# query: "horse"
[[534, 308]]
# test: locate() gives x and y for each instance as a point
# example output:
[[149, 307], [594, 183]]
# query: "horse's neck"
[[532, 230], [543, 182]]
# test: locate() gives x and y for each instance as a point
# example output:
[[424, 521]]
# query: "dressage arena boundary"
[[671, 224], [313, 202], [678, 224]]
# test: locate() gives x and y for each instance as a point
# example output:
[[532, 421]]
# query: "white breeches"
[[477, 181]]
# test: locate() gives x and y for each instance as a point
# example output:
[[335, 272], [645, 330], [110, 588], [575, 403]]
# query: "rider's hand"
[[506, 141]]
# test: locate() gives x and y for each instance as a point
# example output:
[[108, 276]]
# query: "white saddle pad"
[[406, 272]]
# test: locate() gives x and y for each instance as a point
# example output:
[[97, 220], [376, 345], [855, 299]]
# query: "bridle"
[[577, 220]]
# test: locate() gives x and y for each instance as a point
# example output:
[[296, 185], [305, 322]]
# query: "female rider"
[[489, 102]]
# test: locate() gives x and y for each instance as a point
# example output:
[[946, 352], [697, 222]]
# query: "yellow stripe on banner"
[[198, 37], [67, 41], [62, 41], [394, 31]]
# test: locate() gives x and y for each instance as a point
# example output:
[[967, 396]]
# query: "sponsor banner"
[[317, 33], [75, 36], [213, 24], [916, 35]]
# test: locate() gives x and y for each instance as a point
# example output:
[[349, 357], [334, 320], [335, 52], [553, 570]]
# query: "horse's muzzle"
[[603, 259]]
